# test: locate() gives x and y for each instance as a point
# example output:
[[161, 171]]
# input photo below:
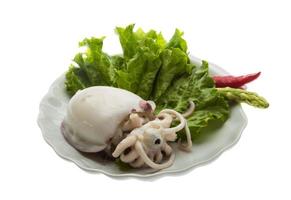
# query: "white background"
[[38, 40]]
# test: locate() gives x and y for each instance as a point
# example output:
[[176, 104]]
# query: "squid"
[[124, 125]]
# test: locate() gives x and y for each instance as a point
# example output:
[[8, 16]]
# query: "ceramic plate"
[[220, 137]]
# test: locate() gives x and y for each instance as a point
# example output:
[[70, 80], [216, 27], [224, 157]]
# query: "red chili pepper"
[[234, 81]]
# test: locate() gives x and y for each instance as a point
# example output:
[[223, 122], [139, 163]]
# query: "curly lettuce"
[[155, 69], [89, 68], [142, 55], [198, 87]]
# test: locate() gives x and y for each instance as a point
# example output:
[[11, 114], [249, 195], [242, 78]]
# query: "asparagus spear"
[[240, 95]]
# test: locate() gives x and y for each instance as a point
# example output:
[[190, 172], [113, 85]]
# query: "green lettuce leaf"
[[174, 64], [92, 67], [129, 77], [142, 57], [215, 109], [94, 62], [117, 62], [177, 41], [199, 88], [151, 68], [76, 80], [128, 40]]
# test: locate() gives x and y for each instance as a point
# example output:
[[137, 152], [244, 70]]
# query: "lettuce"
[[75, 80], [92, 67], [177, 41], [198, 87], [154, 69], [142, 54], [174, 64], [128, 40]]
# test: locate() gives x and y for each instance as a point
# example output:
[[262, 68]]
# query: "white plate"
[[53, 108]]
